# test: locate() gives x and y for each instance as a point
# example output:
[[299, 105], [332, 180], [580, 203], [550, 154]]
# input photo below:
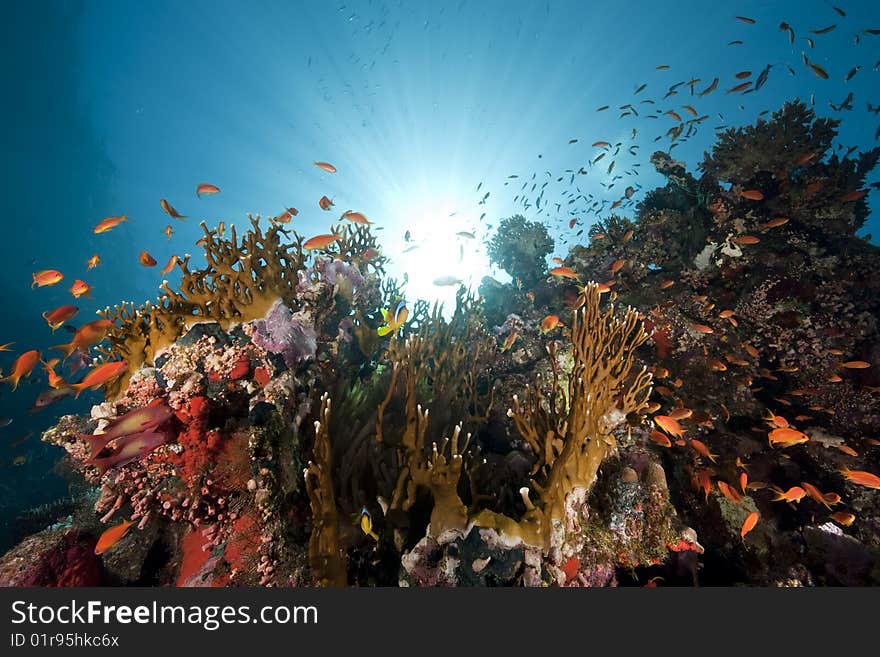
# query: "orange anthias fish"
[[356, 217], [549, 323], [99, 376], [56, 381], [793, 494], [746, 239], [169, 231], [46, 277], [660, 439], [87, 335], [326, 166], [325, 203], [854, 195], [564, 272], [206, 188], [393, 323], [93, 262], [616, 266], [844, 518], [170, 265], [729, 492], [702, 328], [749, 524], [147, 260], [827, 499], [775, 223], [669, 425], [80, 288], [169, 209], [855, 365], [55, 318], [112, 536], [508, 342], [862, 478], [701, 449], [752, 194], [321, 241], [24, 365], [110, 222], [786, 437]]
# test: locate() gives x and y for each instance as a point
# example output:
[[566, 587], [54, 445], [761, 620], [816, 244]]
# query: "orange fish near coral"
[[100, 375], [24, 365], [775, 223], [701, 449], [169, 209], [80, 288], [844, 518], [855, 365], [660, 439], [564, 272], [61, 314], [819, 496], [87, 335], [508, 342], [786, 437], [854, 195], [110, 222], [793, 494], [169, 231], [862, 478], [169, 265], [669, 425], [617, 265], [356, 217], [325, 203], [112, 536], [326, 166], [93, 262], [702, 328], [321, 241], [46, 277], [206, 188], [549, 323], [56, 381], [752, 194], [147, 260], [746, 239], [749, 524]]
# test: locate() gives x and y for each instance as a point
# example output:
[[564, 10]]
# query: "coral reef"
[[711, 357]]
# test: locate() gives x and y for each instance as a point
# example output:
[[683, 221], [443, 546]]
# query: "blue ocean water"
[[423, 107]]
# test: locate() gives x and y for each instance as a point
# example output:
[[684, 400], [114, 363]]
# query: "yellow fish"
[[367, 524], [393, 323]]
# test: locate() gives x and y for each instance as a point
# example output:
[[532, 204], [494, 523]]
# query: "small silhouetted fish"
[[824, 30], [5, 422], [852, 72], [762, 77]]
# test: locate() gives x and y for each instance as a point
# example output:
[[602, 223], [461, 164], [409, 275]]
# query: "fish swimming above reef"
[[169, 210], [110, 222], [446, 281]]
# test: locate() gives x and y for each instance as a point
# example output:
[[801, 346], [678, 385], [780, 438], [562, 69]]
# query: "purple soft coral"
[[284, 332]]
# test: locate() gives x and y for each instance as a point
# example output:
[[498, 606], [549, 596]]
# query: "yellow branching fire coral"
[[437, 366], [569, 427], [241, 281], [325, 557]]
